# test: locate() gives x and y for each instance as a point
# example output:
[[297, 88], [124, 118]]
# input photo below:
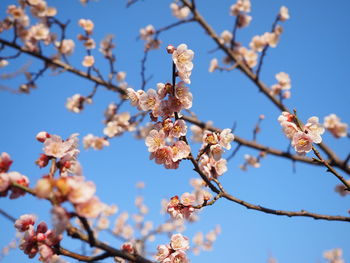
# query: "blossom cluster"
[[182, 58], [148, 35], [8, 178], [183, 207], [65, 151], [303, 137], [240, 9], [175, 252], [76, 103], [333, 124], [30, 35], [282, 88], [206, 242], [211, 162], [117, 124], [40, 240], [164, 138], [334, 255], [180, 12], [70, 185]]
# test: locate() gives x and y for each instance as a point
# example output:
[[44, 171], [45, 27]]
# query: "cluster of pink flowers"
[[95, 142], [211, 162], [206, 242], [240, 9], [251, 161], [66, 151], [282, 88], [70, 185], [301, 139], [182, 57], [180, 12], [164, 137], [73, 189], [333, 124], [175, 252], [181, 208], [88, 41], [76, 103], [147, 34], [334, 255], [30, 35], [40, 240], [258, 43], [116, 124], [7, 178], [168, 153]]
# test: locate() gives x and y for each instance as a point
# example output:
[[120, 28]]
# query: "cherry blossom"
[[5, 162], [179, 12], [333, 124], [284, 13]]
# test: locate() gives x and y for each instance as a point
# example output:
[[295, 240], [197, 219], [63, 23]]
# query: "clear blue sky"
[[313, 50]]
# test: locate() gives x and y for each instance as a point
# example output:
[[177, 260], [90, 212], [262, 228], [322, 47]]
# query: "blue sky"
[[313, 50]]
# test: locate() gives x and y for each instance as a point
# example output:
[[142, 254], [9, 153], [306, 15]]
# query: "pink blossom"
[[80, 190], [221, 166], [87, 25], [179, 129], [155, 140], [240, 6], [56, 147], [22, 224], [284, 14], [149, 100], [188, 199], [180, 150], [46, 253], [182, 58], [5, 162], [179, 12], [226, 137], [183, 95], [18, 178], [147, 32], [88, 61], [90, 209], [216, 151], [302, 142], [163, 155], [314, 129], [42, 136], [289, 129], [163, 252], [178, 256], [179, 242], [333, 124]]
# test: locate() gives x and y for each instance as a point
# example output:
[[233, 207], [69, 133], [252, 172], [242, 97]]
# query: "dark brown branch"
[[60, 64], [301, 213], [62, 251], [75, 233], [8, 216], [257, 146]]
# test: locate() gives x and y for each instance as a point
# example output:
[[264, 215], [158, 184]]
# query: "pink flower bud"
[[42, 136], [170, 49]]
